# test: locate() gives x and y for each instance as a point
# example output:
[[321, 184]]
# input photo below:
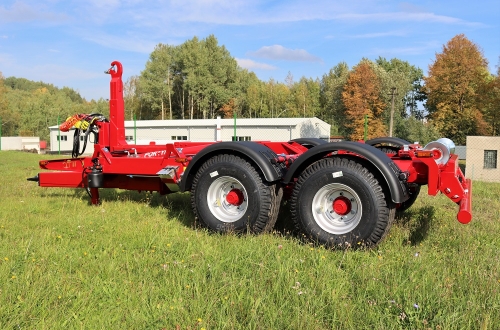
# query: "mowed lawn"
[[139, 261]]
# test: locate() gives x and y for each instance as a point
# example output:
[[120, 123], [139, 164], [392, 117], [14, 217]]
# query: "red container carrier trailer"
[[339, 193]]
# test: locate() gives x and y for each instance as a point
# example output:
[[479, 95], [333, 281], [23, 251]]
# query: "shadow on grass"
[[284, 225], [418, 222], [177, 204]]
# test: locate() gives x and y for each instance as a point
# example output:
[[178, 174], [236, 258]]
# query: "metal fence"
[[482, 158]]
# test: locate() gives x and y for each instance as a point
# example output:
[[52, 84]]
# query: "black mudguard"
[[309, 142], [386, 167], [394, 141], [260, 155]]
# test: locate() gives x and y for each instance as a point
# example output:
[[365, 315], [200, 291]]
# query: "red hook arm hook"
[[116, 69]]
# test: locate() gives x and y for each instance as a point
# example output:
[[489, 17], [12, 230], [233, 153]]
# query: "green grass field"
[[139, 261]]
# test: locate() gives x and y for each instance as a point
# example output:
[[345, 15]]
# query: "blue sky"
[[71, 42]]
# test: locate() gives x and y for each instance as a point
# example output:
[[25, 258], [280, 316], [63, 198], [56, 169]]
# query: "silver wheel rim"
[[325, 215], [217, 203]]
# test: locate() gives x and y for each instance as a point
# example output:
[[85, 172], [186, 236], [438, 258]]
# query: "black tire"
[[389, 145], [389, 149], [413, 191], [255, 202], [309, 142], [387, 141], [365, 221]]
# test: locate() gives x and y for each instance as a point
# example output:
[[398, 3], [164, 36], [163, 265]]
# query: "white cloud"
[[405, 17], [410, 7], [163, 14], [101, 11], [22, 12], [131, 43], [223, 12], [379, 35], [252, 65], [240, 12], [370, 35], [278, 52], [415, 50], [105, 3]]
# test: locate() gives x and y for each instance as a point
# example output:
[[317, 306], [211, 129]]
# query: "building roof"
[[213, 122]]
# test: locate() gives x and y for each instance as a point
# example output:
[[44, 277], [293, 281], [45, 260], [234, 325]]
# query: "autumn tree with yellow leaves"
[[453, 88], [361, 97]]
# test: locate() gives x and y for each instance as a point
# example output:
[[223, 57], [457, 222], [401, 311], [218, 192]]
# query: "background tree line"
[[28, 108], [200, 79]]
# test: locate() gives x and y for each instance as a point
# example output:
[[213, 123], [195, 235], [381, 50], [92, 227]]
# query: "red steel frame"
[[136, 167]]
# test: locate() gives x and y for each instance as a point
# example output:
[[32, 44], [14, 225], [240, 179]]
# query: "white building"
[[25, 143], [203, 130]]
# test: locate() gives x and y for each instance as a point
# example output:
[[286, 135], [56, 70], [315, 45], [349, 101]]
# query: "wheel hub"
[[342, 205], [235, 197]]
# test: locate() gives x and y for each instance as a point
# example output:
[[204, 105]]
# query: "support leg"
[[94, 192]]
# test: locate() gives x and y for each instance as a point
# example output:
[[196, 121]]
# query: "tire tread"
[[386, 210], [270, 193]]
